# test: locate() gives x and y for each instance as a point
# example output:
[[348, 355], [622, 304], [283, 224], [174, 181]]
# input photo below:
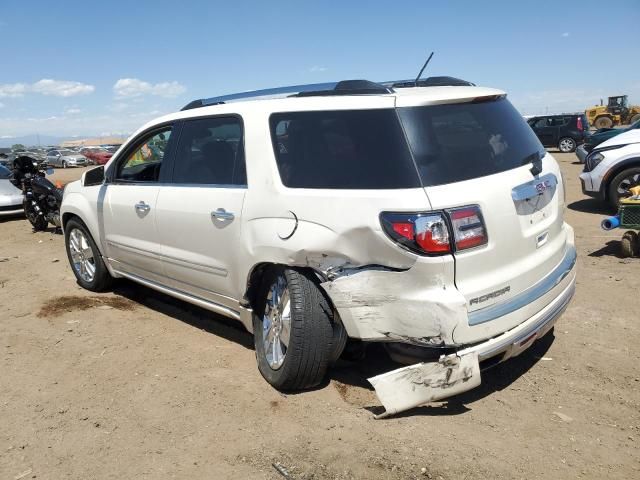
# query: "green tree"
[[17, 146]]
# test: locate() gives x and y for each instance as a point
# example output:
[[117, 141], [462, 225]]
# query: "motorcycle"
[[42, 198]]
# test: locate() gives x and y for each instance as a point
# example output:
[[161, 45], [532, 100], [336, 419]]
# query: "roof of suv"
[[398, 97]]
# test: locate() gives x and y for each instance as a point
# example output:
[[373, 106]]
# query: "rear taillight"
[[429, 233], [580, 125], [468, 227]]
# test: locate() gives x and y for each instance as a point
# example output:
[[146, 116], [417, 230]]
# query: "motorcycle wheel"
[[38, 222]]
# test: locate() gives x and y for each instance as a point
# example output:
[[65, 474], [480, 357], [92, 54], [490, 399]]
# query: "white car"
[[427, 218], [612, 168], [65, 158], [11, 198]]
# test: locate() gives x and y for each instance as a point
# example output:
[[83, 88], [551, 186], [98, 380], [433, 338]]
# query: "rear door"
[[129, 206], [484, 154], [199, 211]]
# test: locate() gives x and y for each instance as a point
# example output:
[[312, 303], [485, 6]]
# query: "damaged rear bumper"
[[411, 386]]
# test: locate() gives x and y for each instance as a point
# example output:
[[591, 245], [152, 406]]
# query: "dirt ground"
[[133, 384]]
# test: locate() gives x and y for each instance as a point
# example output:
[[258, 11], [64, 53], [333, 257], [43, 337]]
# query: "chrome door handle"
[[142, 207], [222, 214]]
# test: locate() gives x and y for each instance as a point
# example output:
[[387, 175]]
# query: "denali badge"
[[489, 296]]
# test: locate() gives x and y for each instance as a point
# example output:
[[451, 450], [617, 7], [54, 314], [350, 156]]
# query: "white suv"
[[429, 218]]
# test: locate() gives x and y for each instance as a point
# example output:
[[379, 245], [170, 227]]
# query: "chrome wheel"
[[567, 145], [82, 255], [276, 323]]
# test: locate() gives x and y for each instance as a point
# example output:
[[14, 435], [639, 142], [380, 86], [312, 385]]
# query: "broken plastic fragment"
[[415, 385]]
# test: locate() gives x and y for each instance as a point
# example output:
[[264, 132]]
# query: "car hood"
[[7, 188], [624, 138]]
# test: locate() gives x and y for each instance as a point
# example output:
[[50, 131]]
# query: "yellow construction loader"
[[617, 112]]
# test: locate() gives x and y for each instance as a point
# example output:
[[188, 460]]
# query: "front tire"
[[84, 257], [621, 183], [293, 329], [567, 145]]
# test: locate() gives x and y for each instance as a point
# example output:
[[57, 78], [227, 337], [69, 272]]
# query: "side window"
[[143, 164], [542, 122], [211, 152]]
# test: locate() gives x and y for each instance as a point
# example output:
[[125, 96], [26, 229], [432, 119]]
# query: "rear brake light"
[[429, 233], [422, 233], [468, 227], [580, 126]]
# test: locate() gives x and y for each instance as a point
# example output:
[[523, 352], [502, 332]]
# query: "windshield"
[[67, 152], [456, 142]]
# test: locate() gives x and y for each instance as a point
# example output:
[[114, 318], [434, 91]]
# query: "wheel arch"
[[257, 273], [614, 171], [74, 210]]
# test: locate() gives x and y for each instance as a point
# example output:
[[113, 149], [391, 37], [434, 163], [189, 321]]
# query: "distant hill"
[[32, 140], [45, 140]]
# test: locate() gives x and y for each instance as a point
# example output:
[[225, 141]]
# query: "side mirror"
[[95, 176]]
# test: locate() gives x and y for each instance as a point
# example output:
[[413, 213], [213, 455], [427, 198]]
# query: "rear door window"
[[344, 149], [211, 152], [456, 142]]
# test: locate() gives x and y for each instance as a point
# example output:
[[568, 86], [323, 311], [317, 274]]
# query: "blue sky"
[[99, 67]]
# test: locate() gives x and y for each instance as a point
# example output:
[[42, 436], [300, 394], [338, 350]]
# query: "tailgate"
[[524, 222]]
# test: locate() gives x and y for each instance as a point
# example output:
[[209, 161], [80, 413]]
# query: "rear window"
[[348, 149], [456, 142]]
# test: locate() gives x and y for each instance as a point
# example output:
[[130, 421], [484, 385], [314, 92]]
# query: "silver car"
[[65, 158], [10, 196]]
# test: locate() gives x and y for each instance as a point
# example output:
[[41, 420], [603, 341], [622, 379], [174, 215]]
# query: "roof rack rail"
[[344, 87], [444, 81]]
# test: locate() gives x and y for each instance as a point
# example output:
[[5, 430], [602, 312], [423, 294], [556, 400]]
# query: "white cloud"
[[134, 87], [61, 88], [12, 90], [317, 69], [46, 86], [72, 111], [565, 34]]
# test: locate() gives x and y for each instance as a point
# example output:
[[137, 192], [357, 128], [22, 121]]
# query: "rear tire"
[[296, 356], [84, 248], [567, 145], [621, 183], [629, 244], [37, 221], [603, 122]]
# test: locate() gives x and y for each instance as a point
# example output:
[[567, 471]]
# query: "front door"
[[199, 213], [129, 208]]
